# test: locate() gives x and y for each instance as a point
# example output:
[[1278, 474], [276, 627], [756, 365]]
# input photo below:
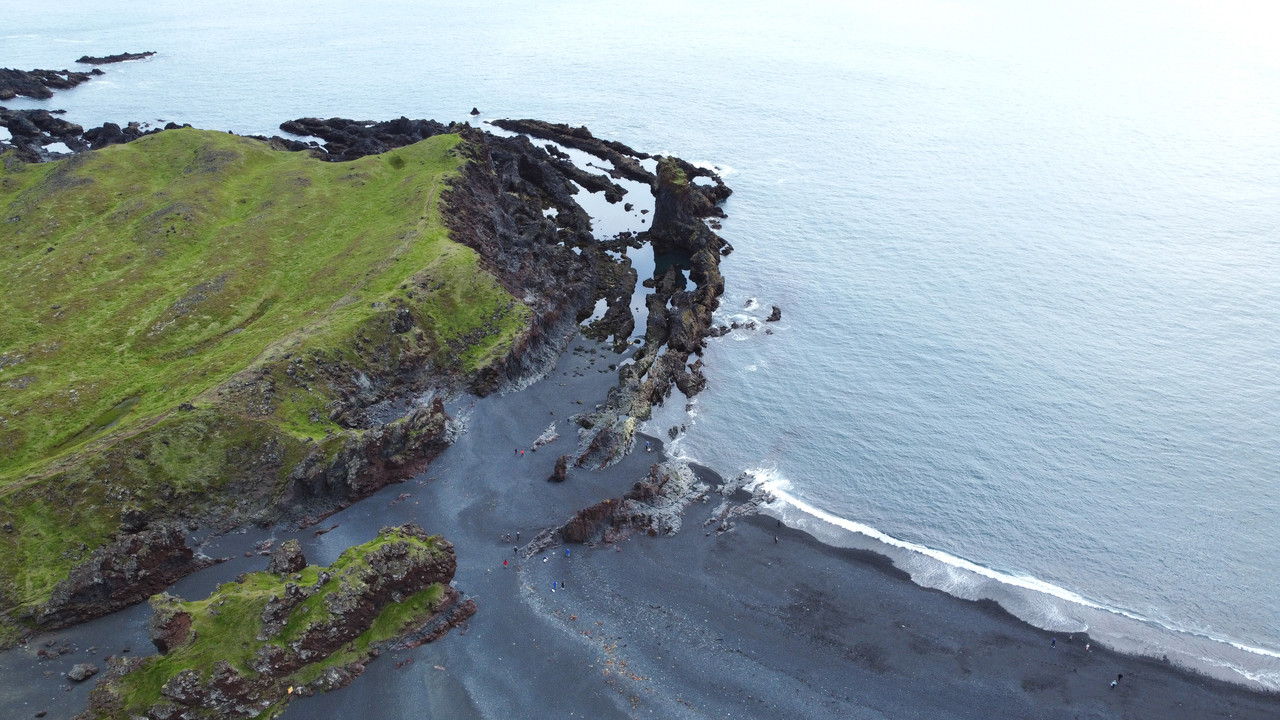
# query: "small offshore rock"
[[774, 316], [287, 558], [121, 57], [475, 111]]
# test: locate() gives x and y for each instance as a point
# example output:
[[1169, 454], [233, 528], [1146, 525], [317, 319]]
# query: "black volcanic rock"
[[625, 160], [107, 59], [39, 84], [350, 139]]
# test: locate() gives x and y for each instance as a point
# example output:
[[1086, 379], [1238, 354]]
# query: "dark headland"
[[635, 586]]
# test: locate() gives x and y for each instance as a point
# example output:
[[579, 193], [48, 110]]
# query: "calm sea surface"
[[1028, 258]]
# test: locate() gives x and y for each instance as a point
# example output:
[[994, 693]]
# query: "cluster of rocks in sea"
[[32, 130]]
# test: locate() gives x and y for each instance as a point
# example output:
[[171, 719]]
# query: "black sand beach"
[[700, 625], [762, 621]]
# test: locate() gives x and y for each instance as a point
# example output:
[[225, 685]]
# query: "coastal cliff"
[[388, 268]]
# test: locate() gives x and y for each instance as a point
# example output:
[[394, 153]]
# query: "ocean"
[[1027, 256]]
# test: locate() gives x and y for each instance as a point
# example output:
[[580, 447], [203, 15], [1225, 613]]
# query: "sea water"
[[1028, 256]]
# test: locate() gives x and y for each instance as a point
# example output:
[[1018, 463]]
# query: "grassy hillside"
[[175, 270]]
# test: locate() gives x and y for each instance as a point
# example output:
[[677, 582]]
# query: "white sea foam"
[[1036, 601]]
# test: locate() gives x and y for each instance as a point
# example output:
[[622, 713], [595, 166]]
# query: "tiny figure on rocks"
[[1053, 642], [544, 558], [648, 446], [1086, 647], [775, 539], [566, 552], [504, 563]]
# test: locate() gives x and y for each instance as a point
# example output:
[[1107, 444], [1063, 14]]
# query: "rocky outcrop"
[[32, 130], [108, 59], [39, 84], [624, 159], [303, 629], [287, 558], [129, 570], [170, 623], [653, 506], [350, 139], [775, 315], [680, 320], [366, 462], [561, 471]]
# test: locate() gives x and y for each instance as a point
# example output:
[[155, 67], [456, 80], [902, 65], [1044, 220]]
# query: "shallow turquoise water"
[[1028, 259]]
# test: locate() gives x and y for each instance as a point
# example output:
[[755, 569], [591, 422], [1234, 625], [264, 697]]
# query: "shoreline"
[[694, 625], [1040, 604]]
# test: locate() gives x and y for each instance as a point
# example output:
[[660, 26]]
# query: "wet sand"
[[762, 621]]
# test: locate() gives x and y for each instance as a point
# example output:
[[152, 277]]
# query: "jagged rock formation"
[[108, 59], [625, 160], [653, 506], [306, 632], [679, 319], [39, 84], [31, 130]]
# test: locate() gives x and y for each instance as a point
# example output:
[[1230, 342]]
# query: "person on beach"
[[566, 552], [1053, 643], [648, 446]]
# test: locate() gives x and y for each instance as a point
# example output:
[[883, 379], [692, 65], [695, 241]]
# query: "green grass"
[[201, 267], [143, 275], [227, 624]]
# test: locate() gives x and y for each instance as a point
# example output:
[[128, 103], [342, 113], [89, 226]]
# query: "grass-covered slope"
[[249, 646], [175, 313]]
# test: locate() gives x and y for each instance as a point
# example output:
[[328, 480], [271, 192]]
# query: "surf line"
[[1025, 582]]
